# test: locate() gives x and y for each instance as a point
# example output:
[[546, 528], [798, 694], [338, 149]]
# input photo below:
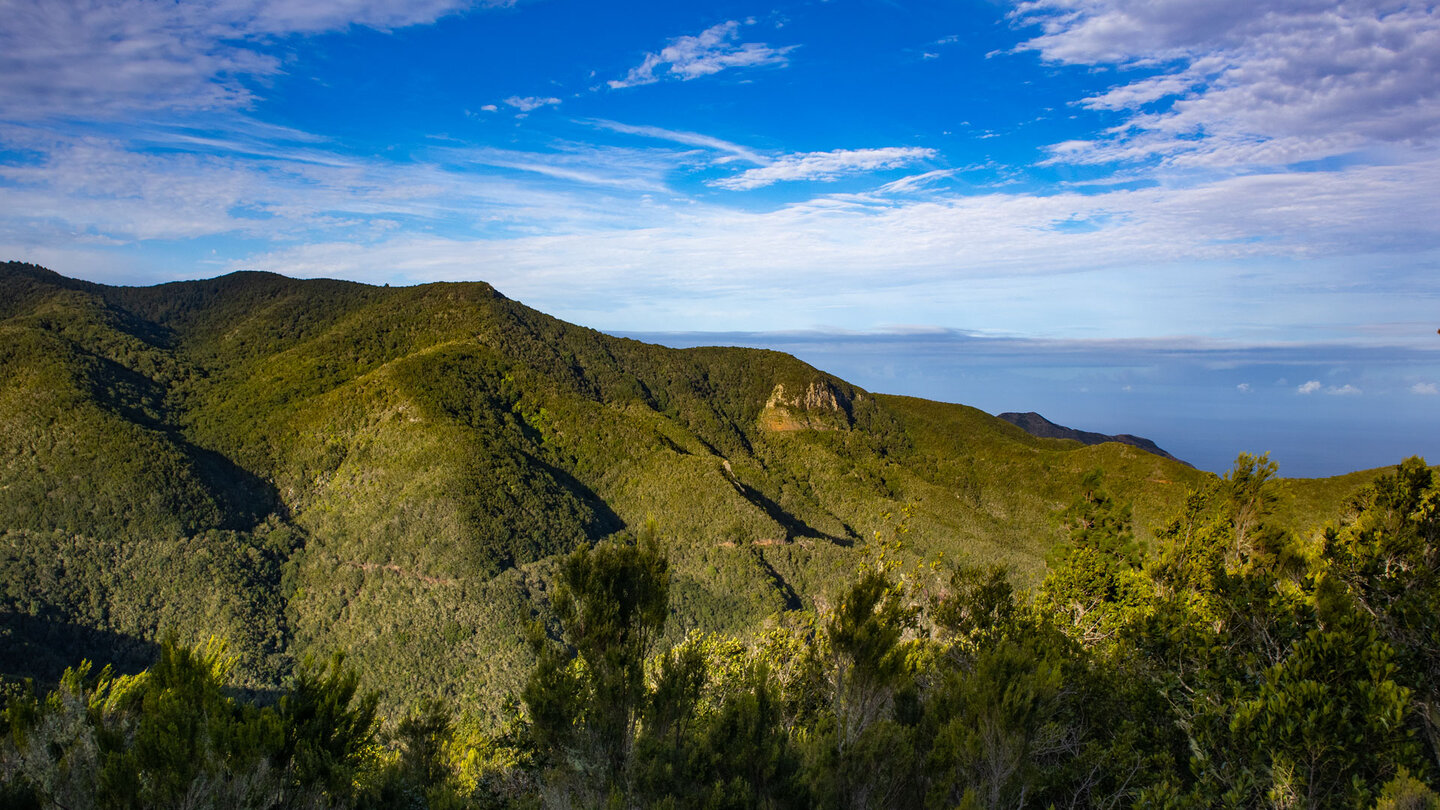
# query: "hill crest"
[[1037, 425], [309, 465]]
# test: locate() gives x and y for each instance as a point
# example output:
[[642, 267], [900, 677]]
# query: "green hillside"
[[311, 466]]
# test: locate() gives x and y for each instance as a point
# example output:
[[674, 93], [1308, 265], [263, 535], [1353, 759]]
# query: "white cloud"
[[280, 192], [277, 186], [687, 138], [824, 166], [1250, 84], [489, 108], [1341, 390], [1426, 389], [627, 169], [598, 219], [1243, 388], [915, 182], [102, 187], [990, 261], [709, 52], [528, 103], [97, 59]]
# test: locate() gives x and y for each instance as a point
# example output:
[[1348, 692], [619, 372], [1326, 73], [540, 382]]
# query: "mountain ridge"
[[1037, 425], [310, 466]]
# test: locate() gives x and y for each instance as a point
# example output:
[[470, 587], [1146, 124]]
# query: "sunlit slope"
[[317, 465], [112, 523]]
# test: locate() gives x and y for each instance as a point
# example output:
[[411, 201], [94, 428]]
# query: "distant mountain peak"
[[1037, 425]]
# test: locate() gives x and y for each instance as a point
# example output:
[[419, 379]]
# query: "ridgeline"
[[306, 467]]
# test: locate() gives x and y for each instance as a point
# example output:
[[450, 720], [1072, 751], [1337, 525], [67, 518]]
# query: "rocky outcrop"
[[820, 406]]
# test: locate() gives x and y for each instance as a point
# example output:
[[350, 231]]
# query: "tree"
[[869, 752], [1328, 724], [1249, 498], [1096, 585], [1387, 558], [997, 710], [612, 602], [329, 726], [171, 737]]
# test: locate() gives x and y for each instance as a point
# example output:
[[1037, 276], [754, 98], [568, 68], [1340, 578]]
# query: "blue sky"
[[1216, 224]]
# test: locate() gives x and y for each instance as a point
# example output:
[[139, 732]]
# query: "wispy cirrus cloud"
[[635, 170], [814, 166], [704, 54], [607, 217], [102, 190], [824, 166], [623, 256], [1241, 84], [916, 182], [100, 59], [688, 138]]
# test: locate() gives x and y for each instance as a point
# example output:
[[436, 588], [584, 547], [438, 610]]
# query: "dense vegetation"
[[1234, 665], [305, 467], [402, 476]]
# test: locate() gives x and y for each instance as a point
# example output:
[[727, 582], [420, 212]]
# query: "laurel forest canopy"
[[1232, 663]]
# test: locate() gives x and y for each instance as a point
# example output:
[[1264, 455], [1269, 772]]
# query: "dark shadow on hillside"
[[123, 390], [792, 599], [520, 508], [245, 498], [795, 528], [258, 696], [143, 329], [605, 521], [41, 648]]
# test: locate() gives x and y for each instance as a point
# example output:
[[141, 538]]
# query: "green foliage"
[[611, 603], [419, 444], [1387, 558], [316, 467], [329, 727], [1250, 500], [1096, 584], [1405, 792], [1328, 723], [997, 714], [870, 662], [977, 607], [185, 733], [872, 696], [173, 737], [1286, 691], [1236, 676], [1096, 521]]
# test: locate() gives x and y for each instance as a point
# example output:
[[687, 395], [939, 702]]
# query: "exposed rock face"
[[1037, 425], [819, 407]]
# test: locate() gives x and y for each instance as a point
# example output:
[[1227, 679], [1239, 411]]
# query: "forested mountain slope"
[[309, 466]]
